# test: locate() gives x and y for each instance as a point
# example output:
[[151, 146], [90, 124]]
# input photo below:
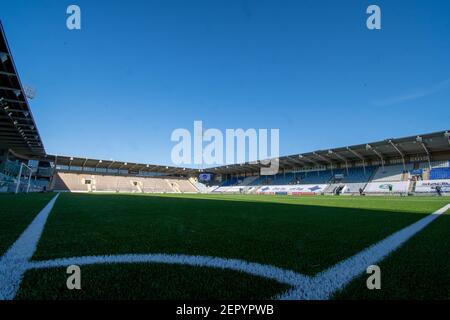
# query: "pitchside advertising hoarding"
[[430, 185], [386, 187]]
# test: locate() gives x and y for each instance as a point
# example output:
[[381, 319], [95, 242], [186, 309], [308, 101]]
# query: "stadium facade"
[[412, 165]]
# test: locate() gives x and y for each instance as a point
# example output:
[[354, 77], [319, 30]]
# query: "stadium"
[[147, 231]]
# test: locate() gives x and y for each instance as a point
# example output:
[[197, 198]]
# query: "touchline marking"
[[17, 261], [14, 262], [337, 277]]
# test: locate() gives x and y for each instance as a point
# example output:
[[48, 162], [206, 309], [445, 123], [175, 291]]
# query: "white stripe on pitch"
[[326, 283], [265, 271], [14, 262]]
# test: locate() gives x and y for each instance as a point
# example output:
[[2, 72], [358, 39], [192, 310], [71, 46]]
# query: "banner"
[[297, 189], [430, 185], [387, 187]]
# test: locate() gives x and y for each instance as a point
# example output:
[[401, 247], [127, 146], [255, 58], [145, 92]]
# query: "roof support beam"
[[109, 167], [296, 161], [324, 159], [360, 157], [121, 166], [15, 110], [420, 141], [84, 164], [16, 91], [289, 163], [9, 74], [143, 167], [314, 162], [340, 158], [150, 168], [132, 167], [399, 152], [15, 118], [14, 101], [379, 155]]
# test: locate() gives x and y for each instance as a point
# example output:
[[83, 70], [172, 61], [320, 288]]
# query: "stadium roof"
[[116, 165], [18, 131], [427, 145]]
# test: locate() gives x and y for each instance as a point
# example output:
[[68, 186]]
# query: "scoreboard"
[[206, 177]]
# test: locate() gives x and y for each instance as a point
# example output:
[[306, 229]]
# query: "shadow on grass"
[[300, 237], [148, 282], [419, 270], [16, 213]]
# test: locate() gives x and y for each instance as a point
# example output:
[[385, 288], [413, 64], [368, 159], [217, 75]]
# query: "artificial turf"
[[419, 270], [16, 213], [304, 234], [147, 282]]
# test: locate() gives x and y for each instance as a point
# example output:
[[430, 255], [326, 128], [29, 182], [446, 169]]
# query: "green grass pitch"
[[303, 234], [16, 213]]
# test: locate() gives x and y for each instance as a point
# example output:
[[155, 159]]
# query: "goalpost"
[[19, 178]]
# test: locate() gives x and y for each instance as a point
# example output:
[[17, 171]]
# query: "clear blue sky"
[[140, 69]]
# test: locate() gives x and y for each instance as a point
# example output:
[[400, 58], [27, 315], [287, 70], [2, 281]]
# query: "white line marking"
[[326, 283], [266, 271], [14, 262]]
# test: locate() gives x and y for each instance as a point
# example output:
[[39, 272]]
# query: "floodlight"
[[3, 57]]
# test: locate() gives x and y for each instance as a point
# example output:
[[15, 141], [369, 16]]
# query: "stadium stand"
[[231, 182], [439, 173], [79, 182], [249, 180], [261, 180], [391, 173], [434, 164], [202, 188], [319, 177], [358, 175], [183, 185]]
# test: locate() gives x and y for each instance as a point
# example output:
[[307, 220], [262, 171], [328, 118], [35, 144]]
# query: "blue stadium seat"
[[440, 173]]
